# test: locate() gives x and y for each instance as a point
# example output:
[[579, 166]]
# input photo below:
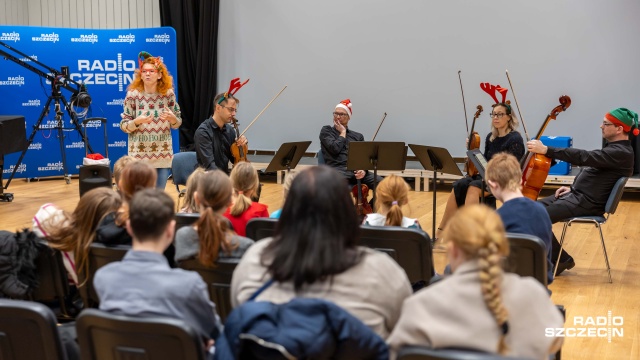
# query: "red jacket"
[[256, 210]]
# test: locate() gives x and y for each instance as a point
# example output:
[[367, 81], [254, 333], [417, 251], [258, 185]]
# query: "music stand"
[[288, 156], [479, 161], [376, 155], [435, 159]]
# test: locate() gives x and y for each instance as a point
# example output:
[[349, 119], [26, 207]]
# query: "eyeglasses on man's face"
[[604, 123], [339, 114], [496, 115], [231, 109]]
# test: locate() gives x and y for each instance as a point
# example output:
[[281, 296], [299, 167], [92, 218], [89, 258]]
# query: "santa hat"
[[624, 117], [346, 104]]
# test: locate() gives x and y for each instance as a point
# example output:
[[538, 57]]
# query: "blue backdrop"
[[102, 59]]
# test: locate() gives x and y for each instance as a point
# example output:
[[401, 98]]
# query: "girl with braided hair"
[[479, 306], [211, 237]]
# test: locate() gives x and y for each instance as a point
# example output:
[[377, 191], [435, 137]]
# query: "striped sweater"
[[150, 142]]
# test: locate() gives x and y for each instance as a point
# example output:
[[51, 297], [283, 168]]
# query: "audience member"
[[314, 254], [392, 194], [119, 165], [190, 205], [143, 284], [245, 184], [211, 238], [73, 233], [480, 307]]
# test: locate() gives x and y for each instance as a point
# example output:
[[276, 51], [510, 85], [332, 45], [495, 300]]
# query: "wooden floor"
[[584, 290]]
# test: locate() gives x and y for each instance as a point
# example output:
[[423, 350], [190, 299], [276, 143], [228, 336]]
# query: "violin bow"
[[517, 106], [379, 125], [464, 105], [265, 108]]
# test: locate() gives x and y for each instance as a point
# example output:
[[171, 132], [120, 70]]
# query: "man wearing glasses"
[[334, 141], [214, 136], [592, 186]]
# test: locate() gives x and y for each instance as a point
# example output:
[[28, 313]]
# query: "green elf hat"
[[624, 117]]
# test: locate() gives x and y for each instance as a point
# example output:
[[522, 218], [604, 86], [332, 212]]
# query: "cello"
[[535, 168], [474, 138], [360, 191]]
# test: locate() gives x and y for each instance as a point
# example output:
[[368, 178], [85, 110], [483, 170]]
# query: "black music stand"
[[13, 138], [376, 155], [479, 161], [288, 156], [435, 159]]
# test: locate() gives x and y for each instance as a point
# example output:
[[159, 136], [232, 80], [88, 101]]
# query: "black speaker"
[[94, 176]]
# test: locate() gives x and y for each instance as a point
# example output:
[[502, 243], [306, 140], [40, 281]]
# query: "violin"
[[535, 167], [473, 143], [239, 152]]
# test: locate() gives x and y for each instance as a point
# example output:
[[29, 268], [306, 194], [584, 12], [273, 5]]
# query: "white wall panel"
[[99, 14]]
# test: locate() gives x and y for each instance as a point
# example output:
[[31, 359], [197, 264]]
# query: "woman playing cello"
[[502, 138]]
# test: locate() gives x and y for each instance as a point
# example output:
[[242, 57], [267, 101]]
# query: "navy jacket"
[[307, 328]]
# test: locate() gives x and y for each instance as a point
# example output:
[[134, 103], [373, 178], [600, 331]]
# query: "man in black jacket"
[[588, 194]]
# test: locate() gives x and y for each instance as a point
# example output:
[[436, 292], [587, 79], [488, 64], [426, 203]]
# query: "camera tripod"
[[57, 97]]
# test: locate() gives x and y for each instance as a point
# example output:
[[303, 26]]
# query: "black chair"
[[527, 257], [104, 336], [53, 283], [260, 228], [28, 331], [218, 280], [610, 208], [410, 248], [183, 220], [99, 256], [320, 157], [182, 165], [423, 353]]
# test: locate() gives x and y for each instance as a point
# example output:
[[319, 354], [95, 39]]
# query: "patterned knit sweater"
[[150, 142]]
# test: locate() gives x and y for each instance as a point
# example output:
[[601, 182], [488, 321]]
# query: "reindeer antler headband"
[[143, 55], [234, 86], [492, 89]]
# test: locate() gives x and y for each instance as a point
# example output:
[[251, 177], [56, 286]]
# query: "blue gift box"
[[561, 167]]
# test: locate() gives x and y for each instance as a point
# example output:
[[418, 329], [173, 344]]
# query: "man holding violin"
[[588, 194], [214, 137], [334, 142]]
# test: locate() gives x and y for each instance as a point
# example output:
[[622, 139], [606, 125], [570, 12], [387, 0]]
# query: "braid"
[[491, 280]]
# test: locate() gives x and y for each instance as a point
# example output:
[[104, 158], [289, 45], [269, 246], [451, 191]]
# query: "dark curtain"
[[196, 25]]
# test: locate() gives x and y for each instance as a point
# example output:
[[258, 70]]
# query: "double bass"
[[535, 167]]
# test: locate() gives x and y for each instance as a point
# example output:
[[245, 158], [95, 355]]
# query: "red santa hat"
[[345, 104]]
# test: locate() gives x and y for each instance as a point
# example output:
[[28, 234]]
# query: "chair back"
[[28, 331], [218, 280], [320, 157], [410, 248], [53, 282], [183, 220], [527, 257], [99, 256], [615, 196], [105, 336], [424, 353], [182, 165], [260, 228]]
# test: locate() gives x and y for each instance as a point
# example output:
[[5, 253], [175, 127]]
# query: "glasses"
[[148, 71], [604, 123], [498, 115], [231, 109], [337, 114]]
